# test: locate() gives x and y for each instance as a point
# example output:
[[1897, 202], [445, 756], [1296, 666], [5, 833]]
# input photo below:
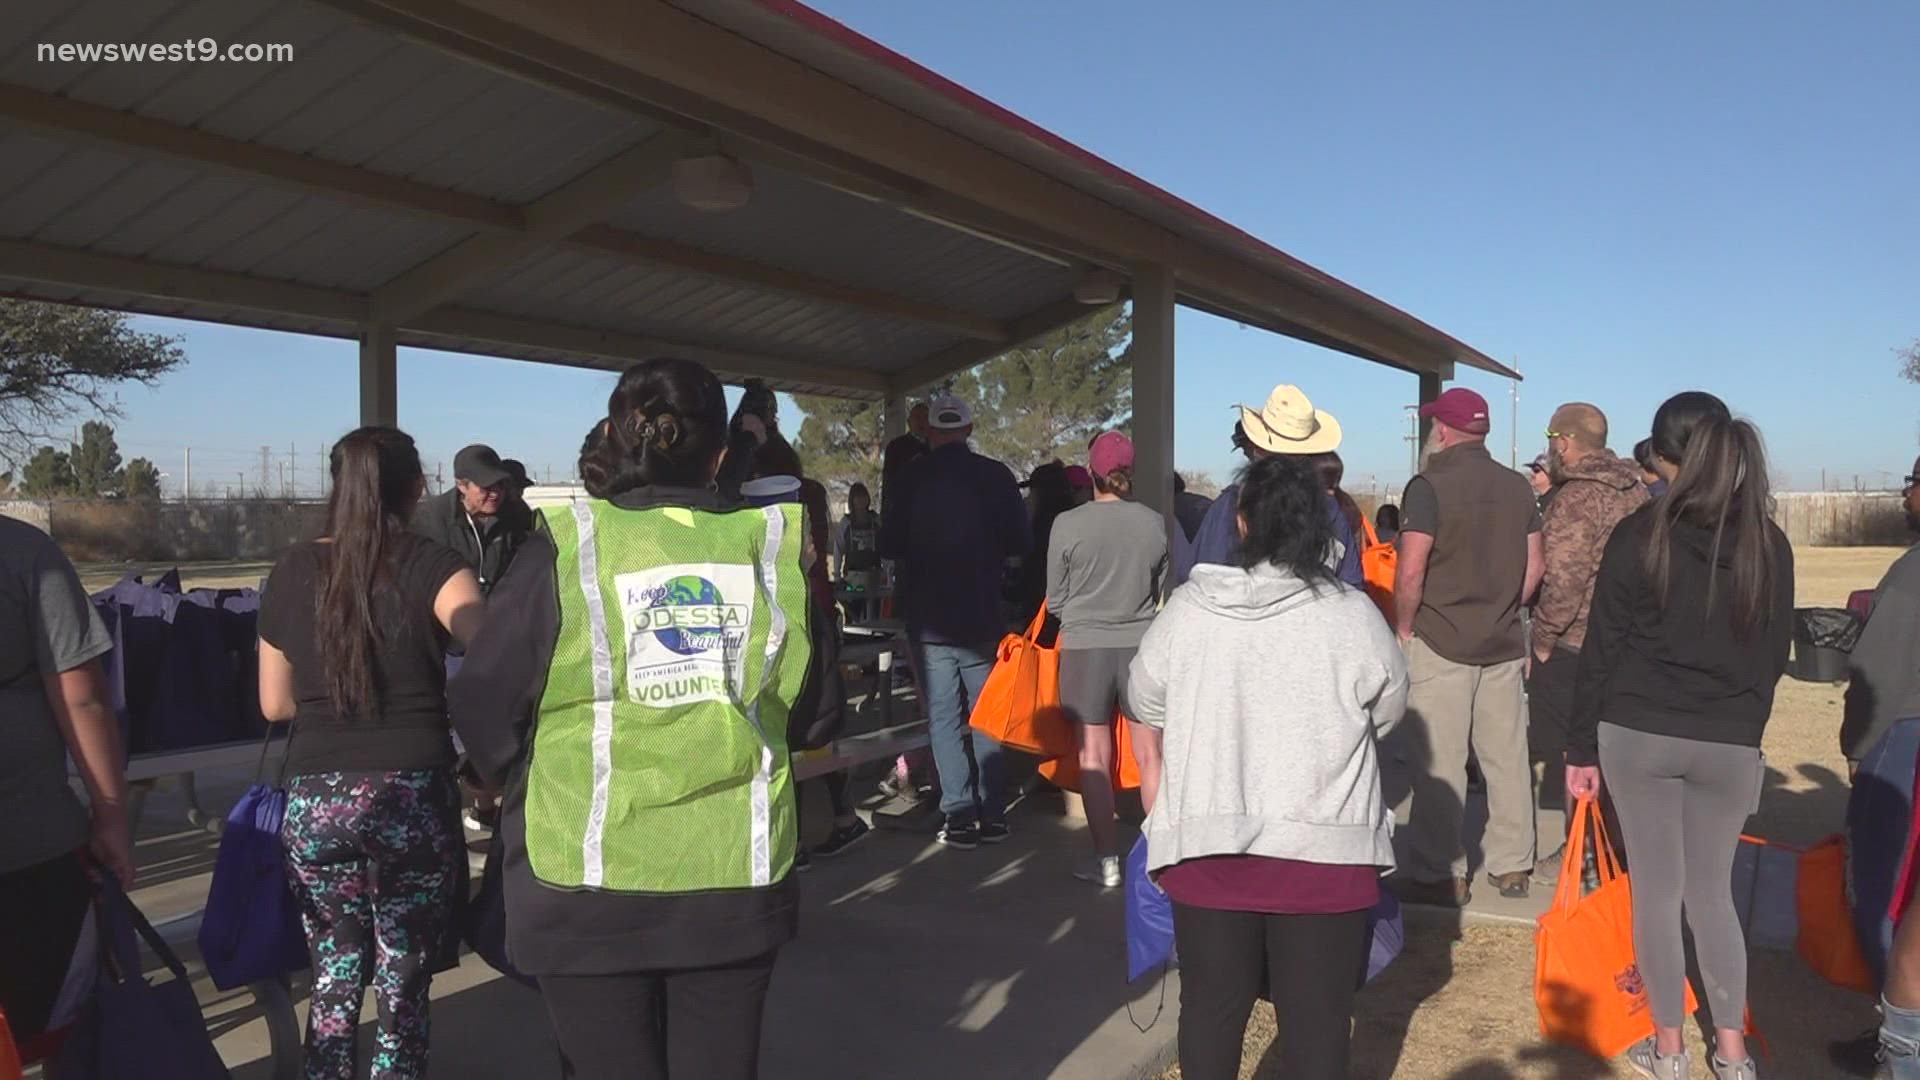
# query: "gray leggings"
[[1682, 805]]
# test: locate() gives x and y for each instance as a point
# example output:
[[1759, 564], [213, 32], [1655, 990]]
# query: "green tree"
[[47, 474], [58, 362], [96, 461], [841, 442], [1030, 405], [1910, 361], [140, 480], [1048, 398]]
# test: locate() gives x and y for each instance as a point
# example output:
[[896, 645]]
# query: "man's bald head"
[[1581, 424]]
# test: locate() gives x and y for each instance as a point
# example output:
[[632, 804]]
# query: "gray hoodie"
[[1271, 694]]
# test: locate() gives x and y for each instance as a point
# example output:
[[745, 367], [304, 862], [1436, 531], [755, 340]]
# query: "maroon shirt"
[[1271, 886]]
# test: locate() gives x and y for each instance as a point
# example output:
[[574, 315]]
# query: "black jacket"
[[1680, 671], [489, 551], [494, 703]]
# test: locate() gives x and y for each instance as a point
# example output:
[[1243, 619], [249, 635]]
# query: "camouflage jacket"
[[1594, 495]]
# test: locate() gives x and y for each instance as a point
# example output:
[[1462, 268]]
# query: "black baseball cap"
[[480, 466], [517, 472]]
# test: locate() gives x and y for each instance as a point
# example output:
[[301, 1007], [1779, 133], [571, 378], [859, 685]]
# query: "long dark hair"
[[1722, 486], [376, 481], [1333, 471], [666, 419], [1284, 503]]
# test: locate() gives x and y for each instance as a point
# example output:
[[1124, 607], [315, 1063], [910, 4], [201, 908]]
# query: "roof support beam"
[[379, 378], [346, 314], [961, 357], [571, 210], [128, 131], [587, 198], [674, 60]]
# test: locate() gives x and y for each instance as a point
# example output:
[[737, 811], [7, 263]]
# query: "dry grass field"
[[1458, 1004]]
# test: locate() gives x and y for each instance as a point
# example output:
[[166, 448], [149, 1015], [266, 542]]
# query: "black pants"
[[1315, 963], [702, 1024], [1550, 693], [42, 909]]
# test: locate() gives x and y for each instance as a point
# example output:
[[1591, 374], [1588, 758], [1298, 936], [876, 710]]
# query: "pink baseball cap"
[[1110, 451]]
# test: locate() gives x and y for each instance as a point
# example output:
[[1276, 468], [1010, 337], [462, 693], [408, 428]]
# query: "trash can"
[[1822, 638]]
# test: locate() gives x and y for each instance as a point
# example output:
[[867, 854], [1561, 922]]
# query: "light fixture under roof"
[[712, 182], [1098, 286]]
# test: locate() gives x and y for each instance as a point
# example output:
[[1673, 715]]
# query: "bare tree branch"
[[59, 362]]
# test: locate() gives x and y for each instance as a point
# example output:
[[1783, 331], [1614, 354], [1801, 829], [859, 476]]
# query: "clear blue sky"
[[1630, 198]]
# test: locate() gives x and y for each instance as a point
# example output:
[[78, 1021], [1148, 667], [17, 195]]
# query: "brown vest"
[[1470, 611]]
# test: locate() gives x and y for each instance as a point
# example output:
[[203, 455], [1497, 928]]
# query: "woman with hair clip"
[[1106, 569], [354, 629], [1269, 683], [632, 696], [1690, 626]]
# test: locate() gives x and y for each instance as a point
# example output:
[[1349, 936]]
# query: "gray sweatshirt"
[[1270, 694], [1106, 566], [1885, 663]]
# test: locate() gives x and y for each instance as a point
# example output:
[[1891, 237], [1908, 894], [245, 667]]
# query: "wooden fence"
[[1820, 518]]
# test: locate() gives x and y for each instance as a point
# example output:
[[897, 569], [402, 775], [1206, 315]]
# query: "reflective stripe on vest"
[[659, 760]]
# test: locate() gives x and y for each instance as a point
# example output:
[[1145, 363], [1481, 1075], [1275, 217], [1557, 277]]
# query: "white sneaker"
[[1648, 1063], [1103, 871]]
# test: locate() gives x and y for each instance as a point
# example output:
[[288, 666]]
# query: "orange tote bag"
[[1586, 981], [1020, 704], [9, 1054], [1828, 941], [1063, 772], [1379, 563]]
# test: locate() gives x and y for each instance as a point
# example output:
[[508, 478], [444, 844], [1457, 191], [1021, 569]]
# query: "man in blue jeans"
[[955, 521], [1880, 736]]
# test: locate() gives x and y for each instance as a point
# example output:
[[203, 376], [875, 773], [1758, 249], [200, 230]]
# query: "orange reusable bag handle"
[[1586, 819]]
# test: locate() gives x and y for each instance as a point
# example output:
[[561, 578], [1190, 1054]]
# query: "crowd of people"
[[636, 667]]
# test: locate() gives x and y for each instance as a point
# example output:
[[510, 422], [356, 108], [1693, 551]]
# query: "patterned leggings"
[[374, 859]]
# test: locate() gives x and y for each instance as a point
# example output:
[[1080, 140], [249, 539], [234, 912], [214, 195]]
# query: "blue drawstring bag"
[[1386, 934], [133, 1029], [251, 930], [1149, 918]]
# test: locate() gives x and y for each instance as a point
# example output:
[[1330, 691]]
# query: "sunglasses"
[[1552, 435], [1913, 482]]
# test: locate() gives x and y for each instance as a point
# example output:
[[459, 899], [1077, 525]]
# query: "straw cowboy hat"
[[1289, 424]]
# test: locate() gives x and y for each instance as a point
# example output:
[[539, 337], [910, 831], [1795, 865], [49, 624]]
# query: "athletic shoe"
[[1103, 871], [960, 835], [1650, 1064], [895, 786], [842, 838], [1739, 1070], [1547, 870], [801, 862], [1514, 886], [995, 833]]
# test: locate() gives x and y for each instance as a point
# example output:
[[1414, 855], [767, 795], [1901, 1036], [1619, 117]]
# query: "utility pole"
[[1413, 441], [1513, 449], [186, 489], [266, 470], [293, 472]]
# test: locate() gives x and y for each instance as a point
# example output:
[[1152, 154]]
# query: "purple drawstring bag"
[[134, 1029], [1149, 918], [1386, 935], [251, 929]]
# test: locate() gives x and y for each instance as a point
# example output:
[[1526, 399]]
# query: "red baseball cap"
[[1111, 450], [1460, 409]]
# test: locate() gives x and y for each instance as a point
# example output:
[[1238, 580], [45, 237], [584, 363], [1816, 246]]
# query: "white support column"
[[1152, 357], [379, 378]]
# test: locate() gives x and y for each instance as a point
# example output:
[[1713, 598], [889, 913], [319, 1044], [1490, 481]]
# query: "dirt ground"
[[1458, 1004]]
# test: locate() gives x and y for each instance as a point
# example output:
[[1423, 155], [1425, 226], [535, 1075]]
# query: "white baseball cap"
[[949, 413]]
